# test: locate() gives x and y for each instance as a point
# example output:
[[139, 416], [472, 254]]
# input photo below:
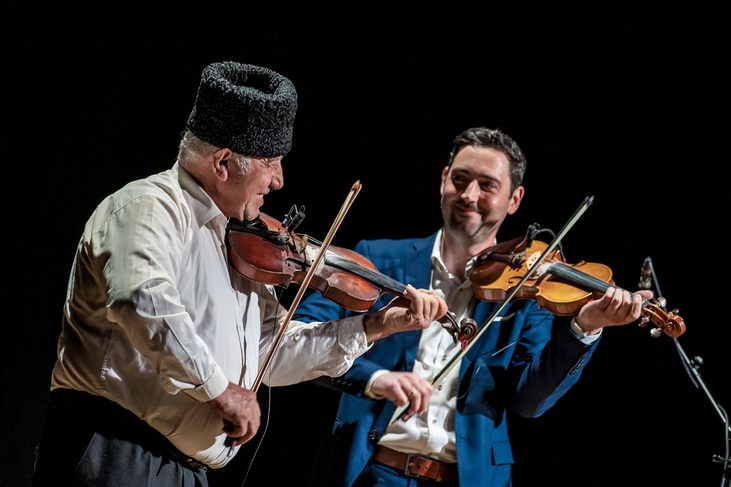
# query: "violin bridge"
[[282, 237], [530, 262], [302, 244], [516, 260]]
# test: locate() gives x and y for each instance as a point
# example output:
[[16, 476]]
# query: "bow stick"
[[306, 282], [300, 293], [460, 355]]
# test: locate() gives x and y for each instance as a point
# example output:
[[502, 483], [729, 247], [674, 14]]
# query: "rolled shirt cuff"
[[210, 389], [352, 336]]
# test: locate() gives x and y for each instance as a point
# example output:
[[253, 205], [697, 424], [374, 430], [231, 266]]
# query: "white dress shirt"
[[153, 309], [432, 433]]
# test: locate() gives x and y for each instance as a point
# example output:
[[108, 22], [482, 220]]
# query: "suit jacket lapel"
[[417, 272], [418, 263]]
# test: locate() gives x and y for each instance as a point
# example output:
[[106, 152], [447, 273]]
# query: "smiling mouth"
[[466, 209]]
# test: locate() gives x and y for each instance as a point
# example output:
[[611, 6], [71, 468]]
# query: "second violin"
[[558, 287]]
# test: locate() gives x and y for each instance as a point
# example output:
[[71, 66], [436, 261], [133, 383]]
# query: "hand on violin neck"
[[240, 412], [415, 311], [617, 307]]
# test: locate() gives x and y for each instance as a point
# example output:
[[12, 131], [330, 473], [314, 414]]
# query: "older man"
[[161, 338]]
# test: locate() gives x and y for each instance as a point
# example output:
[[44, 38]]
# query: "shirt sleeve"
[[309, 350], [141, 246]]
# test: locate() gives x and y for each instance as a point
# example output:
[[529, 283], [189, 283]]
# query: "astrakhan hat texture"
[[245, 108]]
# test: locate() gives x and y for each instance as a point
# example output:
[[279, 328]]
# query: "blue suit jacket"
[[529, 376]]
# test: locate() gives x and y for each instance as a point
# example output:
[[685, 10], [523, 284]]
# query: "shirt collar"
[[202, 206], [438, 263]]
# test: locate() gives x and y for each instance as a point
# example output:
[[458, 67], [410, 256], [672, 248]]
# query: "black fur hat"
[[245, 108]]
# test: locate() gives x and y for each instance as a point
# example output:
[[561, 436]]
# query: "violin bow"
[[300, 293], [460, 355], [305, 283]]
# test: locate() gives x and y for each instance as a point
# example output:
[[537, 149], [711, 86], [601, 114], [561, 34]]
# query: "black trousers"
[[91, 441]]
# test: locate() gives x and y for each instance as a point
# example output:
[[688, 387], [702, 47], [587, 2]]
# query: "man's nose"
[[471, 192], [277, 177]]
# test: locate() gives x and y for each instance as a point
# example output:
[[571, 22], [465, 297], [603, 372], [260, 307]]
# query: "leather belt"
[[416, 465]]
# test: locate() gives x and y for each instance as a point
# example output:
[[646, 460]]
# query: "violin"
[[269, 252], [558, 287]]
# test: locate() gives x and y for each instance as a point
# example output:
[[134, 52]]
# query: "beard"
[[473, 229]]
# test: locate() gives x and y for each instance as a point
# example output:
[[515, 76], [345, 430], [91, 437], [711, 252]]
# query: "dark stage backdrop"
[[624, 103]]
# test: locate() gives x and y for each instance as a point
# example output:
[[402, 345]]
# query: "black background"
[[625, 103]]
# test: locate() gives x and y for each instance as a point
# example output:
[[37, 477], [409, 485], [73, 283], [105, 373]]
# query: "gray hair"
[[192, 149]]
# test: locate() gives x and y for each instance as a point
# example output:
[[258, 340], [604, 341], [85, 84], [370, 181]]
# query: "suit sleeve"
[[545, 365], [317, 308]]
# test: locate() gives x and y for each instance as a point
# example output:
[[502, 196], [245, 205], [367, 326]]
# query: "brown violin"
[[558, 287], [269, 252]]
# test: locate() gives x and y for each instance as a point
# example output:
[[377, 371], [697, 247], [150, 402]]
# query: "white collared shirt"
[[432, 433], [157, 321]]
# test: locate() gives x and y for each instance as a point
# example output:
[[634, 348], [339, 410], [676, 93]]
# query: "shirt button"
[[439, 387], [434, 421]]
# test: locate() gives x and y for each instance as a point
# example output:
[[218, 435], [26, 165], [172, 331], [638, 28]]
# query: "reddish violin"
[[558, 287], [269, 252]]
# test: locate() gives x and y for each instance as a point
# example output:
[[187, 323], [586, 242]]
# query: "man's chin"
[[463, 229], [251, 214], [469, 231], [466, 221]]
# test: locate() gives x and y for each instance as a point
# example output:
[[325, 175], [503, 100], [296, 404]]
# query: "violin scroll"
[[669, 323], [462, 332]]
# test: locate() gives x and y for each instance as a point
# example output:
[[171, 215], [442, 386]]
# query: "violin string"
[[579, 277], [565, 270], [319, 243], [371, 275], [334, 250]]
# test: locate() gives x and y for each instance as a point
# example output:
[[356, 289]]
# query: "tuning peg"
[[643, 321], [674, 312], [655, 332], [661, 301]]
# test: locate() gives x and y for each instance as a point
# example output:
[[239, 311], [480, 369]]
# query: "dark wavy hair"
[[494, 139]]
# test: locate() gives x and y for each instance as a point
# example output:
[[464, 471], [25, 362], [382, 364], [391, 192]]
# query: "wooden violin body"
[[281, 258], [267, 252], [493, 280], [558, 287]]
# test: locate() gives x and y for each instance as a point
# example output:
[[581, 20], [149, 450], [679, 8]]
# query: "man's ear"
[[221, 161], [444, 178], [515, 200]]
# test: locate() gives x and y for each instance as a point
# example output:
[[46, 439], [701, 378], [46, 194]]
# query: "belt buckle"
[[195, 464], [407, 470]]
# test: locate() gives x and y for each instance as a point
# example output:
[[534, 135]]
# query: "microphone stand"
[[692, 367]]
